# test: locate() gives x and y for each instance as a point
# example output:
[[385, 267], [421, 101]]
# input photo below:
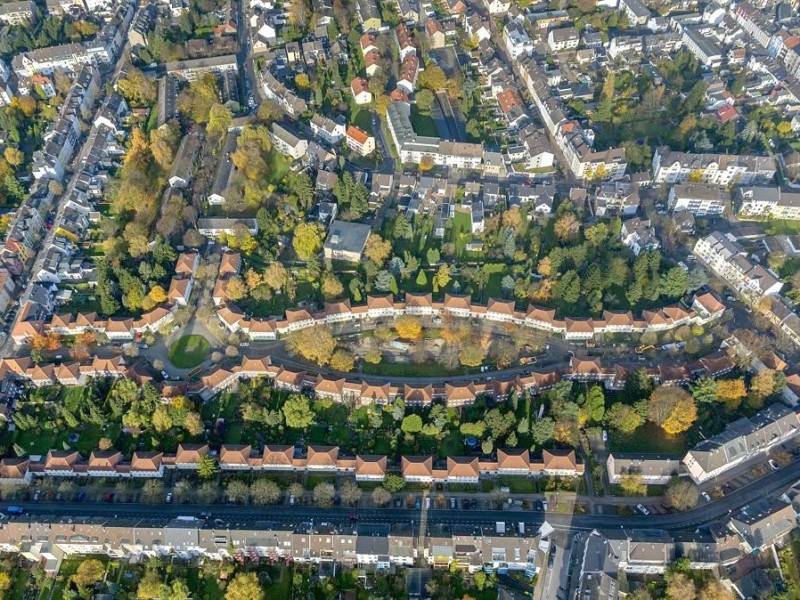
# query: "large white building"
[[740, 441], [413, 148], [768, 201], [729, 261], [670, 166], [700, 199]]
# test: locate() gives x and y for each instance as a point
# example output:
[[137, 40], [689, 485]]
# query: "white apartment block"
[[727, 259], [720, 169], [768, 201], [700, 199]]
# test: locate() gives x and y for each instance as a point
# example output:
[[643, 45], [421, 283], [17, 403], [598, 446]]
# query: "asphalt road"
[[703, 514]]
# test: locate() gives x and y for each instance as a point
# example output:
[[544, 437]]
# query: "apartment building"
[[191, 70], [768, 201], [741, 440], [720, 169], [329, 130], [700, 199], [412, 148], [285, 142], [18, 13], [517, 40], [651, 468], [729, 261], [359, 141]]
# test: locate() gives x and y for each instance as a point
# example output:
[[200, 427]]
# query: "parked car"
[[453, 503], [705, 496], [773, 465], [291, 500], [168, 498], [643, 509]]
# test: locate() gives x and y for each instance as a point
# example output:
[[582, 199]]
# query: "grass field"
[[277, 166], [189, 351], [649, 439], [423, 123]]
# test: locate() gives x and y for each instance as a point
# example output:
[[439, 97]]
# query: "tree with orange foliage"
[[38, 342], [53, 341], [87, 337], [79, 351]]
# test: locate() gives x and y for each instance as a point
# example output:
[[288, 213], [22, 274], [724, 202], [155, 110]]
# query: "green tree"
[[411, 424], [432, 256], [422, 279], [394, 483], [402, 228], [674, 282], [593, 404], [623, 418], [424, 99], [568, 287], [704, 390], [178, 590], [297, 412], [542, 430]]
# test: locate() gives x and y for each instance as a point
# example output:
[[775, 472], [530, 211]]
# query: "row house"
[[501, 547]]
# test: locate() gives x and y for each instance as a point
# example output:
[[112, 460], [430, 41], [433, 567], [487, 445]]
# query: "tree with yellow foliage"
[[408, 327], [672, 408], [236, 289], [377, 249], [13, 156], [157, 294], [731, 392], [253, 279]]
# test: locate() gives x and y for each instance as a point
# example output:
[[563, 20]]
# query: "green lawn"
[[281, 586], [461, 234], [429, 369], [650, 439], [363, 120], [782, 227], [423, 123], [277, 167], [518, 485], [189, 351]]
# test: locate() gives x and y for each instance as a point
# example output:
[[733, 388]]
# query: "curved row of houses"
[[705, 308], [284, 458]]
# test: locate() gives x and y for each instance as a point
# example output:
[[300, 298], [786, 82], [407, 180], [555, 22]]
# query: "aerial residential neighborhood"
[[377, 299]]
